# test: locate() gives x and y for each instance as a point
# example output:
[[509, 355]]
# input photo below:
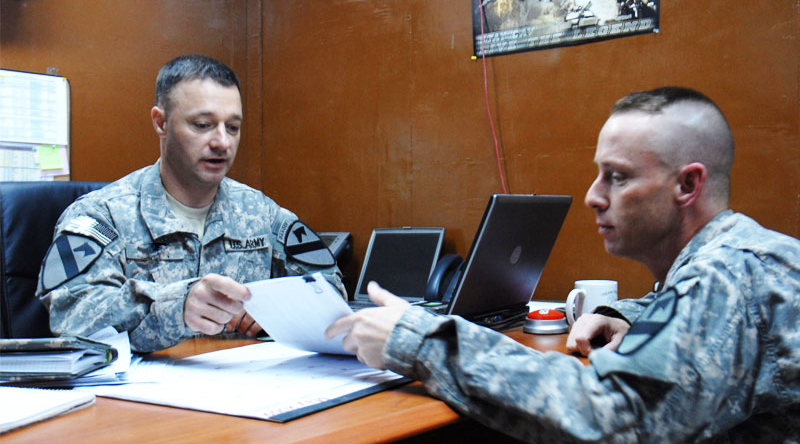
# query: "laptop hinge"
[[502, 319]]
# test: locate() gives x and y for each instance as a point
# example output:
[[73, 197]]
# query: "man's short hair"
[[190, 67], [710, 140], [655, 100]]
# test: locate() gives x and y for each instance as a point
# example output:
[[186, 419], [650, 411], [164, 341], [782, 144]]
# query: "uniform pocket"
[[157, 263]]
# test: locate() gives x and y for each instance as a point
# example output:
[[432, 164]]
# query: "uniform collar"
[[721, 223], [162, 222]]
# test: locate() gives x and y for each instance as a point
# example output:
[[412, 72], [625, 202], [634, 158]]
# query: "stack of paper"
[[52, 358], [23, 406], [79, 362], [263, 381]]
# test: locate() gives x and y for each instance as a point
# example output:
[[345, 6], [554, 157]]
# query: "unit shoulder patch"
[[68, 256], [303, 245], [650, 323], [79, 244]]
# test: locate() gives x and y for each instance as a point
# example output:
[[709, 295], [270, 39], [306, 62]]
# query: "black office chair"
[[28, 214]]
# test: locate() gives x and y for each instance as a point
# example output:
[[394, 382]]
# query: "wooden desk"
[[387, 416]]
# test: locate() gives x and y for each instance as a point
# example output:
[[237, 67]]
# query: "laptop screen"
[[507, 257], [400, 260]]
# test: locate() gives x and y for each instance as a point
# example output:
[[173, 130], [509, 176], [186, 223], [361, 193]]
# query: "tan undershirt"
[[195, 217]]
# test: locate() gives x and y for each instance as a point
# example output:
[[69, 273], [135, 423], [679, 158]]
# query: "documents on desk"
[[23, 406], [296, 310], [268, 381], [114, 373], [44, 359], [65, 361], [264, 381]]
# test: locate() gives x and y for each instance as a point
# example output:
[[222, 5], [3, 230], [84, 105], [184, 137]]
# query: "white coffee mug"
[[587, 295]]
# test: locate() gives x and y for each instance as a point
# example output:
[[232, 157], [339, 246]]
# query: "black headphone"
[[444, 278]]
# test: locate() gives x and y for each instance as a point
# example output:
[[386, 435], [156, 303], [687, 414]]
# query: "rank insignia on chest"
[[303, 245]]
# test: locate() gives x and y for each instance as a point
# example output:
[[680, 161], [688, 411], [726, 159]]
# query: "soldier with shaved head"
[[711, 355]]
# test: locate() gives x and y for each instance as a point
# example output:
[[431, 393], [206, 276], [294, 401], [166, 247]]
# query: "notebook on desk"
[[400, 260], [494, 284]]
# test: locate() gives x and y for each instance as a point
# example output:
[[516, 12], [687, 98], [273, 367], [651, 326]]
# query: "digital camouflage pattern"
[[142, 277], [96, 354], [713, 356]]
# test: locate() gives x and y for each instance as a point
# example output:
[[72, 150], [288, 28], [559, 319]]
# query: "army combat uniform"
[[121, 257], [712, 356]]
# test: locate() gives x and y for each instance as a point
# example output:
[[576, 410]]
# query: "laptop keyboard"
[[434, 307], [360, 304]]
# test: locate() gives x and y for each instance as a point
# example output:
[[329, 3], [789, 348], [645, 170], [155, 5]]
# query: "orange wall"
[[374, 116], [364, 114], [110, 51]]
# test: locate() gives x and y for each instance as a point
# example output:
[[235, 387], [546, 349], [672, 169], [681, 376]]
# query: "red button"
[[546, 314]]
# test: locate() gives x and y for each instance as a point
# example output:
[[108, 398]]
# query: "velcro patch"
[[650, 323], [68, 256], [90, 227], [250, 244], [281, 224], [303, 245]]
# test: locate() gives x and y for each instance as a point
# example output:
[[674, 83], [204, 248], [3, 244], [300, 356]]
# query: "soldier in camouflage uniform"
[[711, 355], [163, 252]]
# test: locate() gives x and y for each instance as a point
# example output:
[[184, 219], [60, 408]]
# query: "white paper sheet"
[[296, 310], [23, 406], [121, 342], [264, 381]]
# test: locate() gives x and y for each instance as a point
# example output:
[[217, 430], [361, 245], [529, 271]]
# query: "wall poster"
[[523, 25]]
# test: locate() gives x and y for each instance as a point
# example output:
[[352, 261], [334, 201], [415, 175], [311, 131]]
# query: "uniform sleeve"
[[538, 397], [626, 309], [101, 295], [684, 371], [700, 338], [284, 264]]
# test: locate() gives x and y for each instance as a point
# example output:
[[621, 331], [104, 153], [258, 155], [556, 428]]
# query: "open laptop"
[[400, 260], [507, 257]]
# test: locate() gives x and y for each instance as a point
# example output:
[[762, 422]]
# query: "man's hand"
[[592, 327], [368, 330], [214, 304], [244, 324]]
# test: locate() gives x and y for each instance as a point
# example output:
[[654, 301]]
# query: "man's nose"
[[595, 196], [221, 138]]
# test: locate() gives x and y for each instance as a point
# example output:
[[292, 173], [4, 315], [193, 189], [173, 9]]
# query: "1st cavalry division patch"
[[303, 245], [74, 250], [650, 323]]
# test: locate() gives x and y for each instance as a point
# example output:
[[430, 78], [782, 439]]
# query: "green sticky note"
[[50, 157]]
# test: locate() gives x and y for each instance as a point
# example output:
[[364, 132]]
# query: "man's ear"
[[159, 117], [691, 182]]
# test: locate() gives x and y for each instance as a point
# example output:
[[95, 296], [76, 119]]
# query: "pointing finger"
[[381, 296], [342, 325]]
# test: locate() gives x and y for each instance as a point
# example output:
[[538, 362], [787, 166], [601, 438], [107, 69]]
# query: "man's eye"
[[202, 125], [233, 129], [618, 177]]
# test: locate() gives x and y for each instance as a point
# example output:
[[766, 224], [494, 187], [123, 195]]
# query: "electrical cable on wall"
[[499, 161]]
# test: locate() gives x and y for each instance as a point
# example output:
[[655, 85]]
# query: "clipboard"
[[48, 359]]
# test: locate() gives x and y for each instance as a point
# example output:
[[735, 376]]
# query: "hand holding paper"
[[296, 310], [366, 334]]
